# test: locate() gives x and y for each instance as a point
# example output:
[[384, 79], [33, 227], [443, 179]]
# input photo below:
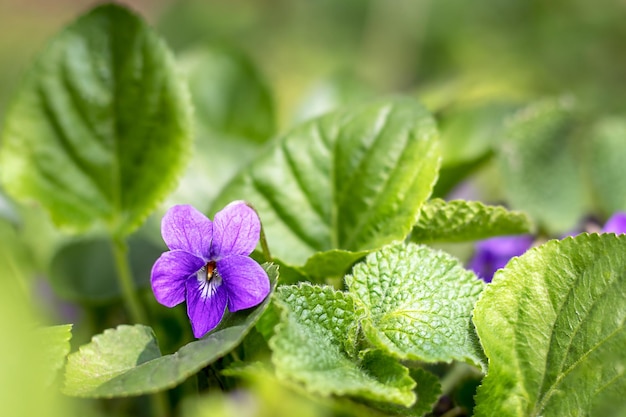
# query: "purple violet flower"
[[494, 253], [208, 265], [616, 224]]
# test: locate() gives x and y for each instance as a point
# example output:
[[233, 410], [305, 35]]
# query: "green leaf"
[[416, 303], [352, 180], [83, 270], [100, 126], [606, 153], [127, 361], [55, 345], [461, 221], [552, 325], [314, 344], [538, 164]]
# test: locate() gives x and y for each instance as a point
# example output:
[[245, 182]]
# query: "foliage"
[[370, 182]]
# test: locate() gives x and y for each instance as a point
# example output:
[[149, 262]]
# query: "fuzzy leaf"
[[314, 344], [127, 361], [98, 131], [352, 180], [417, 303], [460, 221], [552, 325]]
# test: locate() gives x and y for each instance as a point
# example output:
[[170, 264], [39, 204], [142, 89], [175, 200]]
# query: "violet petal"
[[245, 280], [206, 304], [185, 228], [170, 273], [616, 224], [236, 230]]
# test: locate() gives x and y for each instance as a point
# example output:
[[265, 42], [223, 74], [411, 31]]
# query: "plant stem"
[[264, 247], [125, 279], [458, 372]]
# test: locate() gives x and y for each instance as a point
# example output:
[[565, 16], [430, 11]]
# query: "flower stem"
[[125, 279]]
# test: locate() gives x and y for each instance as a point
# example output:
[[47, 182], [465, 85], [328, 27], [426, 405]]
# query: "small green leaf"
[[552, 325], [417, 303], [460, 221], [539, 167], [605, 156], [55, 345], [352, 180], [99, 129], [314, 344], [83, 270], [126, 361]]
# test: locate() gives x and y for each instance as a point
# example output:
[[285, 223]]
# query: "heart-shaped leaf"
[[100, 126]]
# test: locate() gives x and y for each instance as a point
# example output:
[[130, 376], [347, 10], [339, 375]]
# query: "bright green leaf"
[[314, 344], [460, 221], [55, 345], [417, 303], [552, 325], [538, 164], [127, 361], [606, 154], [352, 180], [100, 127]]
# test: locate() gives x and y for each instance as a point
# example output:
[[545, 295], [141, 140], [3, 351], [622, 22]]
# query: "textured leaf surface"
[[417, 303], [460, 221], [539, 167], [99, 129], [552, 325], [127, 361], [315, 345], [351, 180]]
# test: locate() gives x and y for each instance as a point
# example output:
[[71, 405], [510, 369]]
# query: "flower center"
[[211, 270]]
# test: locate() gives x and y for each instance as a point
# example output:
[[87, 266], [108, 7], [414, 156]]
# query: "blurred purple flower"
[[492, 254], [616, 224], [208, 264]]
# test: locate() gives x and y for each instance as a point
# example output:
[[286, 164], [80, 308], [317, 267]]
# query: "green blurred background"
[[517, 48]]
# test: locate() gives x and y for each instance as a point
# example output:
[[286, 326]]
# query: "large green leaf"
[[352, 180], [417, 303], [539, 167], [606, 154], [127, 361], [552, 325], [99, 128], [314, 344], [460, 221]]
